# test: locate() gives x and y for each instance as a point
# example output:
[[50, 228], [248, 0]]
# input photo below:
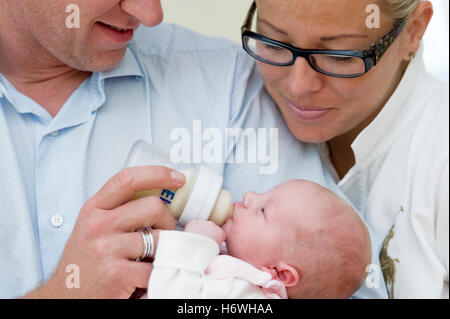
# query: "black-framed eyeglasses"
[[335, 63]]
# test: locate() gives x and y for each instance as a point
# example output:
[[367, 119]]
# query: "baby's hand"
[[206, 228]]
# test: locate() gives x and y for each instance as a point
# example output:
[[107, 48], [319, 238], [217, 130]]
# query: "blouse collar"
[[378, 135]]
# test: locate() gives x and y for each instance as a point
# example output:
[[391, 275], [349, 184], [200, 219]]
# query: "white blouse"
[[400, 184]]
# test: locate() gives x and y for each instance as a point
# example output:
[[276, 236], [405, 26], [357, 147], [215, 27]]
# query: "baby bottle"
[[202, 196]]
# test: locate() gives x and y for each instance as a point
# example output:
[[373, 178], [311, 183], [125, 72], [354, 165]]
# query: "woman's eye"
[[272, 47], [342, 59]]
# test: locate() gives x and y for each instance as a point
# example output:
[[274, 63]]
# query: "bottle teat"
[[223, 208]]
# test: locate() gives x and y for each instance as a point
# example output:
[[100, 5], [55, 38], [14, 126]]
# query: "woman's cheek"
[[345, 90], [275, 81], [351, 99], [272, 75]]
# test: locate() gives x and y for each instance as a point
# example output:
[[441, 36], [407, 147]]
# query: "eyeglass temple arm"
[[249, 18], [380, 47]]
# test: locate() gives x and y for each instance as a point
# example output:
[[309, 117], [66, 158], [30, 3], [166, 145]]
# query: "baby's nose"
[[250, 199]]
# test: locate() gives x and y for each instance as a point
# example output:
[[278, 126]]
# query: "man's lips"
[[118, 34], [306, 113], [119, 28]]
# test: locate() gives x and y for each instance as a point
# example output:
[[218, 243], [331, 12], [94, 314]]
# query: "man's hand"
[[104, 243], [206, 228]]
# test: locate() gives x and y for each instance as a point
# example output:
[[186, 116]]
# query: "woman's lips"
[[118, 36], [306, 113]]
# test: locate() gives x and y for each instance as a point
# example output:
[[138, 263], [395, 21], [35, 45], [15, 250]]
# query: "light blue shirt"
[[169, 77]]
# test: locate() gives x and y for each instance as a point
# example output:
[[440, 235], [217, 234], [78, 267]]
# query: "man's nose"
[[148, 12], [303, 79]]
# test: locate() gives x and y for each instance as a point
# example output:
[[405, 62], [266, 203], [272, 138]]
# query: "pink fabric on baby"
[[224, 266]]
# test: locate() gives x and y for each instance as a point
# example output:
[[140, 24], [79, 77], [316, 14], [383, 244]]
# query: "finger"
[[139, 273], [121, 187], [131, 245], [145, 212]]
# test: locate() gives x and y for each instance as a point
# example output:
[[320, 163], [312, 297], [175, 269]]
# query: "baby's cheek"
[[235, 246]]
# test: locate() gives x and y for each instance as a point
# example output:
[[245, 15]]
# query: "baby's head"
[[305, 236]]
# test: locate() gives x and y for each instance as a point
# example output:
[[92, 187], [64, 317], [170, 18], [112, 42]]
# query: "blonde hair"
[[399, 9]]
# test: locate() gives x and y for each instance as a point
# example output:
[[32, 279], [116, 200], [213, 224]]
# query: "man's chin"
[[104, 62]]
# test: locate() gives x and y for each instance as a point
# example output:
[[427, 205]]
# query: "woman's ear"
[[415, 29], [287, 274]]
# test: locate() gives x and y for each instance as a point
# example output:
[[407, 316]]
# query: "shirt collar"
[[93, 86], [22, 103], [95, 93], [3, 92], [129, 66], [2, 89], [394, 115]]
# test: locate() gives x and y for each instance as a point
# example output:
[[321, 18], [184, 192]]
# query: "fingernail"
[[178, 177]]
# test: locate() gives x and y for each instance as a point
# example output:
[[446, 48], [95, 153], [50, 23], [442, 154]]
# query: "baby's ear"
[[287, 274]]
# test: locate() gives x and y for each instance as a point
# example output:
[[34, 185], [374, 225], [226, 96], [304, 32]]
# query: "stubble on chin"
[[86, 58]]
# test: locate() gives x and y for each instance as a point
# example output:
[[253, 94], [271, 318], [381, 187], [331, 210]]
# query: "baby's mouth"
[[236, 206], [226, 227]]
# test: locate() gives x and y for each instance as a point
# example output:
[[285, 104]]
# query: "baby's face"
[[264, 224], [298, 223]]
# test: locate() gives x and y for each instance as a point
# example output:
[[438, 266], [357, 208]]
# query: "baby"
[[298, 240]]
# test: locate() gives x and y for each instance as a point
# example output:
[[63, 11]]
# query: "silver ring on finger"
[[149, 247]]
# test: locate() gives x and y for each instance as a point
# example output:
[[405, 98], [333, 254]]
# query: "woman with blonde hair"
[[350, 77]]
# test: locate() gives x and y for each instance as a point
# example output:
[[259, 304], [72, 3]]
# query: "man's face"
[[94, 46]]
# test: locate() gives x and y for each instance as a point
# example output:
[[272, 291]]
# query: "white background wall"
[[213, 17], [224, 18], [436, 41]]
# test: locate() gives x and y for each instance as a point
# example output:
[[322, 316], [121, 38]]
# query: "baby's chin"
[[227, 226]]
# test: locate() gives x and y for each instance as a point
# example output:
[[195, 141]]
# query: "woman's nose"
[[303, 79], [148, 12]]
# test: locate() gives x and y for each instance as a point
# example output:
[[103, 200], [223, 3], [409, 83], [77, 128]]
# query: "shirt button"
[[57, 220], [54, 134]]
